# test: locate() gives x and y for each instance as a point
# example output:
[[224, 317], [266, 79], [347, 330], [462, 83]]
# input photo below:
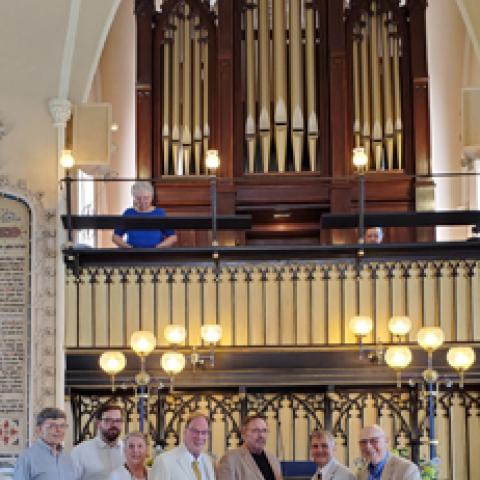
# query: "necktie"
[[319, 475], [196, 470]]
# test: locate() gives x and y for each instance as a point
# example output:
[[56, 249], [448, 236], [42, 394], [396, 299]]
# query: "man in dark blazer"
[[251, 461], [382, 464]]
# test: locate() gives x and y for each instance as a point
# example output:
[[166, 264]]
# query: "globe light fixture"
[[398, 357], [361, 326], [461, 359], [143, 342], [211, 333], [172, 363], [175, 334], [430, 338], [66, 159], [399, 326], [112, 363], [360, 158], [212, 160]]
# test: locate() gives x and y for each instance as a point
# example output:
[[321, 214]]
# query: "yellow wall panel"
[[100, 299], [163, 305], [272, 313], [225, 308], [303, 300], [86, 330], [241, 310], [132, 304], [70, 311], [256, 321], [117, 318], [287, 328]]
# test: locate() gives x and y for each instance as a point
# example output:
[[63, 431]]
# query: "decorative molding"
[[43, 248], [100, 46], [60, 109]]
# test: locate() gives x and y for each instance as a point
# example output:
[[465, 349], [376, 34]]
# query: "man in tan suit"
[[251, 461], [383, 465]]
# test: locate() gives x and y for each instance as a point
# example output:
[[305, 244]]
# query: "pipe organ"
[[185, 120], [377, 94], [284, 90]]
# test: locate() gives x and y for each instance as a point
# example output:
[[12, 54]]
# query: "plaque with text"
[[14, 324]]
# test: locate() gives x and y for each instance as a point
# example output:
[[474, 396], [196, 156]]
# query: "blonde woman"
[[136, 451]]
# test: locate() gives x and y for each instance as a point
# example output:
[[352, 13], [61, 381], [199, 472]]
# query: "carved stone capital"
[[60, 110]]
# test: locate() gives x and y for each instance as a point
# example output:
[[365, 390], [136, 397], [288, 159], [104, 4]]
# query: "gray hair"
[[322, 433], [49, 413], [142, 186]]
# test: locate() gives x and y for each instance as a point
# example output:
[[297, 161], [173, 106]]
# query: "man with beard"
[[187, 461], [96, 459], [251, 461]]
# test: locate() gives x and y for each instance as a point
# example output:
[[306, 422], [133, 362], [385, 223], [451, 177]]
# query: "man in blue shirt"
[[142, 193], [382, 464], [45, 459]]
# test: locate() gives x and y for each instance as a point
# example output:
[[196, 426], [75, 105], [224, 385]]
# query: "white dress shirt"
[[201, 463], [96, 460]]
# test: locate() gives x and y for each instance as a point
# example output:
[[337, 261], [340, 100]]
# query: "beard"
[[111, 434]]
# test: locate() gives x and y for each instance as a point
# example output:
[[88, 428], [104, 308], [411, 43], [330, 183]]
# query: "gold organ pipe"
[[356, 87], [365, 86], [250, 127], [264, 120], [397, 98], [312, 119], [387, 92], [377, 133], [176, 95], [197, 98], [280, 82], [187, 92], [296, 84], [166, 105], [206, 125]]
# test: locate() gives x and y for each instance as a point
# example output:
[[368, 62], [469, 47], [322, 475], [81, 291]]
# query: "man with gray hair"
[[322, 448], [45, 459]]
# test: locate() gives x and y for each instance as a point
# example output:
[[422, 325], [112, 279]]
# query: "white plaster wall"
[[116, 79], [30, 58], [447, 39]]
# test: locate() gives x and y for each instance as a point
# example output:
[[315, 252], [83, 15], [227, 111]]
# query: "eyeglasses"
[[374, 441], [258, 431], [55, 426], [112, 421], [203, 433]]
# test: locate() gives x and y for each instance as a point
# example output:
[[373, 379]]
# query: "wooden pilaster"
[[144, 10]]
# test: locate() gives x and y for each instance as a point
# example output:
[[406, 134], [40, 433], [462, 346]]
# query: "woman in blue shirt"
[[142, 193]]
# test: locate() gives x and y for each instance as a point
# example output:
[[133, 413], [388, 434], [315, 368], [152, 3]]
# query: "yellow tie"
[[196, 470]]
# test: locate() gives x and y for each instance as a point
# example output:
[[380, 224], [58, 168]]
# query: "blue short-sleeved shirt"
[[39, 462], [144, 238]]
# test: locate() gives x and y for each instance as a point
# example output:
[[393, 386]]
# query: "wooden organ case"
[[284, 89]]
